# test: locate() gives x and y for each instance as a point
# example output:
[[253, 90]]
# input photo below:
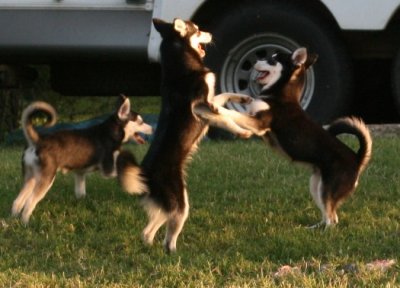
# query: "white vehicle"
[[105, 46]]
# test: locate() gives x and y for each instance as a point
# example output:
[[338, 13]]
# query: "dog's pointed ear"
[[311, 59], [180, 26], [125, 108], [161, 26], [299, 57]]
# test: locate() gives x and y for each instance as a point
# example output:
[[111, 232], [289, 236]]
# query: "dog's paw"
[[261, 132], [25, 218], [246, 100], [322, 225], [315, 226], [245, 134], [169, 247], [15, 211], [214, 108], [147, 239]]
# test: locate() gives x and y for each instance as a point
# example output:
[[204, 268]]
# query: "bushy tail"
[[130, 174], [356, 127], [30, 133]]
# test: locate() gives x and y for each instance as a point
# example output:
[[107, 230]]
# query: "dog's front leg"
[[210, 81], [258, 124], [257, 105], [215, 119], [26, 191], [223, 98], [80, 185]]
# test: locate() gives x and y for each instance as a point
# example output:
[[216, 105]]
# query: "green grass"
[[249, 210]]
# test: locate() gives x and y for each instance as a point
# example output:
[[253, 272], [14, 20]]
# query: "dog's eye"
[[272, 61], [274, 58], [133, 117]]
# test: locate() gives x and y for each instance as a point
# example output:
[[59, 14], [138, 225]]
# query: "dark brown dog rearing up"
[[188, 101]]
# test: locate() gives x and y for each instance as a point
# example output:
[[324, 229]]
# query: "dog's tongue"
[[262, 74], [138, 139], [201, 51]]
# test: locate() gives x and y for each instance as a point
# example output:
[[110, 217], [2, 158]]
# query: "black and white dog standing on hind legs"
[[336, 168], [78, 150], [188, 101]]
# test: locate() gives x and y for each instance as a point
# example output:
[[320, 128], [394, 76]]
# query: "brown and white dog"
[[336, 168], [80, 150], [188, 101]]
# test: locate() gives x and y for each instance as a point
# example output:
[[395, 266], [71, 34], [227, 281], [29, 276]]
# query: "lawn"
[[247, 226]]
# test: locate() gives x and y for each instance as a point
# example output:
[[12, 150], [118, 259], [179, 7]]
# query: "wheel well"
[[381, 44], [210, 10], [393, 29], [395, 19]]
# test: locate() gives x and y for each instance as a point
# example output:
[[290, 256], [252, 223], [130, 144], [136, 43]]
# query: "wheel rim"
[[237, 73]]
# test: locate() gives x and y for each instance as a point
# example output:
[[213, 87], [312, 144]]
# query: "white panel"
[[76, 4], [362, 14]]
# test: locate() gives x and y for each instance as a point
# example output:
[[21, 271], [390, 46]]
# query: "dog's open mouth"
[[262, 74], [138, 138], [201, 50]]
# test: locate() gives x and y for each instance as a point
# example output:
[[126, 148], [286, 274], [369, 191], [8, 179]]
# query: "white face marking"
[[200, 38], [268, 74], [143, 127], [137, 126]]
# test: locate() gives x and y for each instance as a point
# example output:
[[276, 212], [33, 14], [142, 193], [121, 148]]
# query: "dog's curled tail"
[[130, 175], [356, 127], [31, 135]]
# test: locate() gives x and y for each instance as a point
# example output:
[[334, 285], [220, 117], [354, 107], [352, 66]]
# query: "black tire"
[[396, 81], [252, 32]]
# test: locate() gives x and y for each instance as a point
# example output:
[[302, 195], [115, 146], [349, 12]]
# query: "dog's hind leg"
[[316, 190], [175, 223], [331, 217], [174, 227], [80, 185], [42, 186], [157, 217], [27, 189], [322, 195]]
